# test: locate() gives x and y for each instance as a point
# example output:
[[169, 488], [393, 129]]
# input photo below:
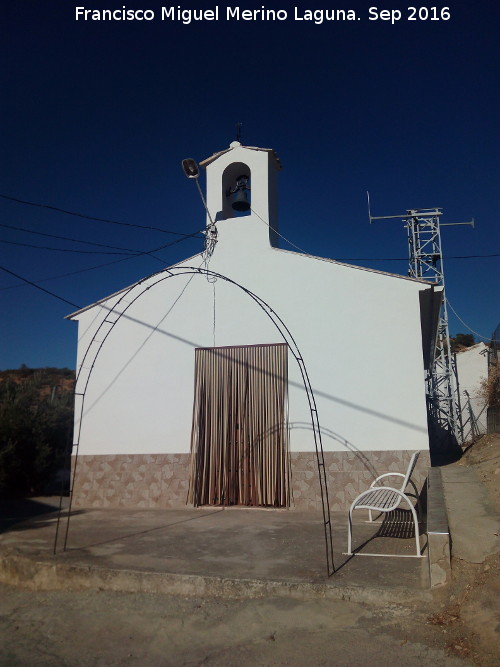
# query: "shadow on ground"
[[19, 513]]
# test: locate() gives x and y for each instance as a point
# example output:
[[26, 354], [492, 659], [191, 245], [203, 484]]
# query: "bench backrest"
[[411, 467]]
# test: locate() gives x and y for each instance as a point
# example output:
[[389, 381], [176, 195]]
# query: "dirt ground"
[[471, 609], [459, 628], [484, 456], [103, 628]]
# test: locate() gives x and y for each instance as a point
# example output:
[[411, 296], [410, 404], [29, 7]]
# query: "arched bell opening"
[[236, 190]]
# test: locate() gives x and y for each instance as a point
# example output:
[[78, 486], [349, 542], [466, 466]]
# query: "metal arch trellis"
[[106, 326]]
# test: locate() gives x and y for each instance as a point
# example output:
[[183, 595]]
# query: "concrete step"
[[473, 522]]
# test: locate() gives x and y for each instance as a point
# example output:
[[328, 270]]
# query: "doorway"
[[239, 441]]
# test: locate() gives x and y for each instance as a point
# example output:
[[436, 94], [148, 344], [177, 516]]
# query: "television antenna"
[[426, 262]]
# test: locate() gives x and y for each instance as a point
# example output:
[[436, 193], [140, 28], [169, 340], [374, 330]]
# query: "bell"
[[240, 199]]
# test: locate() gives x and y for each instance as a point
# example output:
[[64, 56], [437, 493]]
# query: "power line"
[[90, 217], [365, 259], [405, 259], [77, 250], [69, 273], [469, 256], [165, 231], [115, 261], [162, 247], [277, 232], [138, 253], [488, 338], [66, 238], [38, 287]]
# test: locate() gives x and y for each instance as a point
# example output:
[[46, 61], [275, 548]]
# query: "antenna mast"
[[426, 262]]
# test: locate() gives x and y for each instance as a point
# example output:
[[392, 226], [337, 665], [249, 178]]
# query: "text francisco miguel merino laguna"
[[186, 16]]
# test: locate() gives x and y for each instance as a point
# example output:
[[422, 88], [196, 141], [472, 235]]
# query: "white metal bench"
[[387, 499]]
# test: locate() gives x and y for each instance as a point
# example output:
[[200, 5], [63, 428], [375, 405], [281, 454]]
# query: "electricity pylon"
[[426, 262]]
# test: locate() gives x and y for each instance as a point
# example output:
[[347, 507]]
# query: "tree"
[[35, 433], [460, 341]]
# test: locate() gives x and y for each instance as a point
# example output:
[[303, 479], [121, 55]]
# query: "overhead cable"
[[277, 232], [90, 217], [115, 261], [488, 338], [30, 282], [77, 250], [365, 259], [66, 238], [405, 259]]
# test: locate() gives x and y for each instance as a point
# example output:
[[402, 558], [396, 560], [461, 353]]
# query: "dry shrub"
[[489, 389], [460, 646], [447, 617]]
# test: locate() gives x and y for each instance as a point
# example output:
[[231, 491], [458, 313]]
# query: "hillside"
[[63, 379]]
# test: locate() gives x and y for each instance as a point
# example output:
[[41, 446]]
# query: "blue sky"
[[97, 116]]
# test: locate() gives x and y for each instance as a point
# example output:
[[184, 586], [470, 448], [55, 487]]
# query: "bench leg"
[[415, 521], [349, 533], [417, 498]]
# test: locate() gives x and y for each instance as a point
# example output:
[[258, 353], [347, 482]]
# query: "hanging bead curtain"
[[239, 442]]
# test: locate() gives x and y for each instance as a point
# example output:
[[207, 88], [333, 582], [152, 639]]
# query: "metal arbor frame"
[[426, 261], [129, 297]]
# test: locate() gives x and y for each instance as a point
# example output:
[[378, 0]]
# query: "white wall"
[[472, 369], [358, 331]]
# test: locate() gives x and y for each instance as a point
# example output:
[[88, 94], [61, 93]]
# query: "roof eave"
[[355, 266], [215, 156]]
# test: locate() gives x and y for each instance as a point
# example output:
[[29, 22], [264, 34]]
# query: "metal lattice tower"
[[426, 262]]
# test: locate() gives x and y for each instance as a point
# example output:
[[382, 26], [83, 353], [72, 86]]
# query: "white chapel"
[[190, 383]]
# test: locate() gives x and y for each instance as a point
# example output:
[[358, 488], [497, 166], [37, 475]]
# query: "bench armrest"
[[386, 474]]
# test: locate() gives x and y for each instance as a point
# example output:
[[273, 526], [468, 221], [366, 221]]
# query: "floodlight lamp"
[[190, 168]]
